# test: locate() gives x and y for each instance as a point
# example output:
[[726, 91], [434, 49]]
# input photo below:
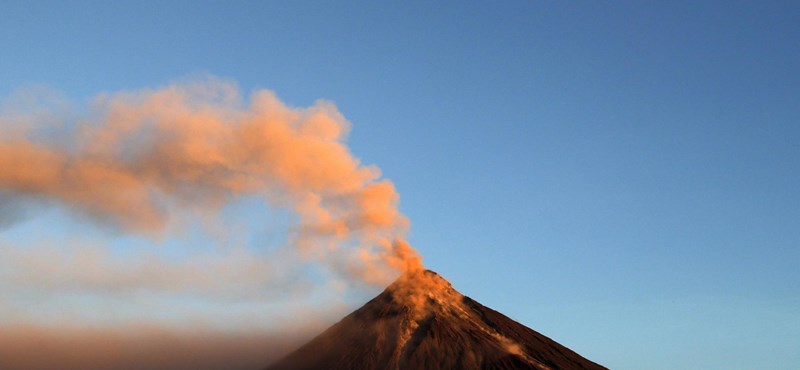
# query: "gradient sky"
[[622, 177]]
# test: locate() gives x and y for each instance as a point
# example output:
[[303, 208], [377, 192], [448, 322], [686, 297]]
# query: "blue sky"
[[619, 176]]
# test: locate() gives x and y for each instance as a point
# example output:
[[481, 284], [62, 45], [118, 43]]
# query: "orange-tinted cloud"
[[140, 159]]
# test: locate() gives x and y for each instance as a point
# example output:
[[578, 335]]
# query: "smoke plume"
[[147, 171], [139, 162]]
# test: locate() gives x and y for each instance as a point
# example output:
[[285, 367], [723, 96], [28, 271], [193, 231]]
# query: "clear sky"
[[620, 176]]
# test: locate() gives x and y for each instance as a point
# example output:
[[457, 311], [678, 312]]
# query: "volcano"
[[421, 322]]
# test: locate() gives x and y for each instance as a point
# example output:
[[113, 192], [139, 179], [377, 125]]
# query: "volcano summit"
[[421, 322]]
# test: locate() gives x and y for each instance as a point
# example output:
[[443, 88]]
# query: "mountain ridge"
[[421, 322]]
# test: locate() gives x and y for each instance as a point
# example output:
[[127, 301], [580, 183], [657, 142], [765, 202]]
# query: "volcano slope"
[[421, 322]]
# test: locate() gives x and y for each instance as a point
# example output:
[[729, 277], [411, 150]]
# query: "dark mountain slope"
[[421, 322]]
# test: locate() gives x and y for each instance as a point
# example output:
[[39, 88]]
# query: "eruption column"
[[139, 160]]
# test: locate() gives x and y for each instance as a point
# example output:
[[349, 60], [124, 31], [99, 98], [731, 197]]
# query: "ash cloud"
[[139, 161], [154, 164]]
